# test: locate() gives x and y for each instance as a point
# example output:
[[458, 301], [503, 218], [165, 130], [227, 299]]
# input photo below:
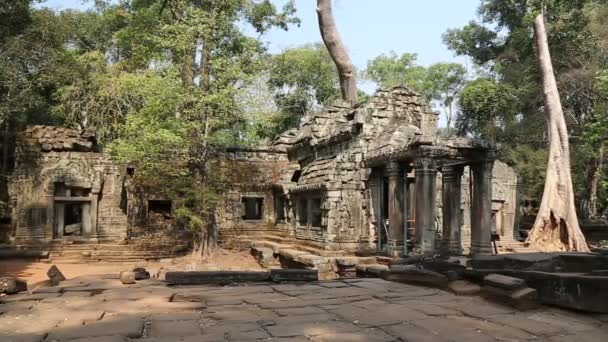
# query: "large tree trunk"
[[333, 42], [556, 227]]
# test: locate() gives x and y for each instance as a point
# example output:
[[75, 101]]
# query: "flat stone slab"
[[504, 282], [364, 309], [214, 277], [127, 326], [278, 275], [464, 288], [414, 275]]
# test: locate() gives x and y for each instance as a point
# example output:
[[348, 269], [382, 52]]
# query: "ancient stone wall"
[[251, 173], [47, 156]]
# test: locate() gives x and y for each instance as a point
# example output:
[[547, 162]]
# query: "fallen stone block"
[[504, 282], [523, 299], [215, 277], [413, 275], [141, 273], [12, 285], [264, 256], [570, 290], [278, 275], [55, 275], [464, 288], [371, 271], [127, 277]]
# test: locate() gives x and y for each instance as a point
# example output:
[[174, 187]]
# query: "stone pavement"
[[94, 309]]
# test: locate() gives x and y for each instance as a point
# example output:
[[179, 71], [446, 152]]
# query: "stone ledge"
[[215, 277], [278, 275]]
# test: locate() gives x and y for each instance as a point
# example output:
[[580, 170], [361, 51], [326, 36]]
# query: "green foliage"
[[138, 82], [392, 70], [302, 79], [507, 105], [488, 109], [440, 82]]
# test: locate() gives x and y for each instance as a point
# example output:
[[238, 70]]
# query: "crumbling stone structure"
[[64, 187], [376, 178]]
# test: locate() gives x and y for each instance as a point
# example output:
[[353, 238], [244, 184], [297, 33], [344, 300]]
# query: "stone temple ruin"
[[344, 196], [376, 178], [373, 179]]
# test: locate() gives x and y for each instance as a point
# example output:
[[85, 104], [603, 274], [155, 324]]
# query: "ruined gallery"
[[376, 178]]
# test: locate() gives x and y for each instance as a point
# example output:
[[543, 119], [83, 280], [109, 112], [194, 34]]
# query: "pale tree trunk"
[[595, 180], [556, 227], [333, 42]]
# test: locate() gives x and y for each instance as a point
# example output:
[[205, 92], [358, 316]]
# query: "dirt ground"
[[35, 272]]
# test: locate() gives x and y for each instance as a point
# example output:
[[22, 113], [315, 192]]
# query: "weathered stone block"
[[414, 275], [141, 273], [215, 277], [278, 275], [127, 277], [464, 288], [504, 282], [11, 285], [523, 299], [55, 275], [264, 256]]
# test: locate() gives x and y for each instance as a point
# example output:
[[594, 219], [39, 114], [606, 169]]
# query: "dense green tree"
[[392, 70], [439, 83], [500, 42], [162, 80], [302, 79]]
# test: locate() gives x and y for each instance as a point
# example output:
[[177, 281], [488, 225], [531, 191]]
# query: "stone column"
[[481, 208], [59, 220], [94, 199], [395, 209], [451, 179], [426, 173], [376, 204], [85, 208]]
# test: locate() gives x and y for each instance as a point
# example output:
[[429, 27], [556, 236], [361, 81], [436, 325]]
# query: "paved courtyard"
[[94, 309]]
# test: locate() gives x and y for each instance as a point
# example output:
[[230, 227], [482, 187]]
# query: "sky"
[[369, 27]]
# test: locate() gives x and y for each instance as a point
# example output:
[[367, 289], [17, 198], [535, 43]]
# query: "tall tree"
[[337, 50], [501, 45], [303, 79], [389, 70], [446, 80], [556, 227]]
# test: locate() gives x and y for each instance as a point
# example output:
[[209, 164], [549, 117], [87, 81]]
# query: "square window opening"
[[253, 208], [315, 212], [159, 207], [302, 205]]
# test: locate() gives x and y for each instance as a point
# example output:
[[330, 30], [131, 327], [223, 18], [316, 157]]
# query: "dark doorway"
[[159, 207], [253, 208], [72, 219]]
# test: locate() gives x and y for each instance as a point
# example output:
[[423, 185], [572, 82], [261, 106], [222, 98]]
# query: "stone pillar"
[[86, 218], [376, 205], [395, 209], [59, 220], [481, 208], [426, 173], [50, 218], [451, 179], [94, 199]]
